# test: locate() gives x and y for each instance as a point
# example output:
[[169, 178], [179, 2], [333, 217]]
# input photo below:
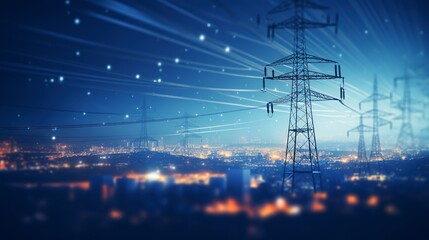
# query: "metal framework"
[[363, 162], [144, 141], [187, 133], [407, 106], [301, 146], [378, 121]]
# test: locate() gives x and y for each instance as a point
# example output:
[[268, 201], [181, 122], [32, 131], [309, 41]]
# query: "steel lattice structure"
[[144, 141], [378, 121], [187, 133], [407, 106], [363, 162], [301, 147]]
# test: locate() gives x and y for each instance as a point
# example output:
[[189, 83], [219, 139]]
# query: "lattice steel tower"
[[407, 106], [378, 121], [301, 147], [144, 141], [362, 158], [187, 133]]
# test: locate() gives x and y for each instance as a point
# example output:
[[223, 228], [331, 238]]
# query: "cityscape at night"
[[214, 119]]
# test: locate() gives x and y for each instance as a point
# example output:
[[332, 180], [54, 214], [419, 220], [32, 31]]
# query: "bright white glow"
[[127, 116], [176, 60], [53, 138], [227, 49], [159, 64], [109, 67], [77, 21], [137, 76], [153, 176], [202, 37], [61, 78]]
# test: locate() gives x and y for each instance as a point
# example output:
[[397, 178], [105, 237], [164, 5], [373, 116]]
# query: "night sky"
[[92, 62]]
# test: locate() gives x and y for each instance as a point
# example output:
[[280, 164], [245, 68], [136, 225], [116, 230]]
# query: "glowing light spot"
[[352, 199], [202, 37], [88, 93], [76, 21], [137, 76], [127, 116], [366, 31], [176, 60], [372, 201], [159, 64], [54, 138], [115, 214], [77, 53], [153, 176], [61, 78], [108, 67], [227, 49]]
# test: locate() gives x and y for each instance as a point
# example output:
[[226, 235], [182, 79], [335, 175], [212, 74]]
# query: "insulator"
[[270, 109], [263, 83], [341, 93], [273, 73], [336, 74], [344, 94], [339, 70], [265, 71]]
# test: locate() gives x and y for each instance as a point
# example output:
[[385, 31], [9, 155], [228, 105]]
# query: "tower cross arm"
[[318, 96], [310, 59], [384, 122], [371, 113]]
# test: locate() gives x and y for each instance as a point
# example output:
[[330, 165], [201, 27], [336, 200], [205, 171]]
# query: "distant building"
[[238, 184]]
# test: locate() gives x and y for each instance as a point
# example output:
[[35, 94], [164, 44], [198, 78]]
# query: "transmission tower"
[[144, 141], [187, 133], [363, 163], [378, 121], [407, 107], [301, 147]]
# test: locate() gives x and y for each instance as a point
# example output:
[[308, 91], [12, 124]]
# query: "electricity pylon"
[[301, 147], [378, 121], [363, 163], [187, 133], [144, 141], [407, 107]]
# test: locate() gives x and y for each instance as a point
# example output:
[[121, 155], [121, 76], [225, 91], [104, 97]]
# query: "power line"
[[122, 123]]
